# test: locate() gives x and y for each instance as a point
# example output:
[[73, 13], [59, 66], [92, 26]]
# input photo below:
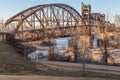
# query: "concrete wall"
[[86, 40]]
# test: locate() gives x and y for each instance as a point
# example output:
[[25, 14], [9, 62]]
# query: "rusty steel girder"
[[44, 20]]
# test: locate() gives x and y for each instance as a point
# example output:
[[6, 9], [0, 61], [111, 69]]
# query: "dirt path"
[[10, 77], [78, 67]]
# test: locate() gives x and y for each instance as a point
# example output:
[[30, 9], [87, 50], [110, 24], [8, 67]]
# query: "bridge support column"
[[86, 40], [51, 53], [73, 45]]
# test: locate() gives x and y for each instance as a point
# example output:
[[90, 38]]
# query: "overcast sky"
[[9, 8]]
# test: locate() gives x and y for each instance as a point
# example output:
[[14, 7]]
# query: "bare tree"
[[108, 17], [1, 24], [117, 22], [117, 19]]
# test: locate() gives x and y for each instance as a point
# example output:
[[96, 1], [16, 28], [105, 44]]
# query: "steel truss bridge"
[[49, 21], [45, 21]]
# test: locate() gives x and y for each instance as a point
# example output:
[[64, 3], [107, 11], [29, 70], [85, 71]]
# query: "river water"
[[60, 43]]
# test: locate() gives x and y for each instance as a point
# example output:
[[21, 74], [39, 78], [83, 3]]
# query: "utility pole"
[[105, 55], [105, 47]]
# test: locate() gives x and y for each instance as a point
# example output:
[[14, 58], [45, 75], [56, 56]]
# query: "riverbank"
[[11, 62], [15, 67]]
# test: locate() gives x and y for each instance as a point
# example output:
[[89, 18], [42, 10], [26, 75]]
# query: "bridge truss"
[[44, 21]]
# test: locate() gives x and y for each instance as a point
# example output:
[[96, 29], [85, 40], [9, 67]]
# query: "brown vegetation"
[[12, 62]]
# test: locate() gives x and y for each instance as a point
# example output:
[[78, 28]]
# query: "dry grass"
[[12, 62]]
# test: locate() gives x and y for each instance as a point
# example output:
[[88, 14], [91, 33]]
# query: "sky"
[[9, 8]]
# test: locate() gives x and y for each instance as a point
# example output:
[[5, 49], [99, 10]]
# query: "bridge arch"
[[44, 20]]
